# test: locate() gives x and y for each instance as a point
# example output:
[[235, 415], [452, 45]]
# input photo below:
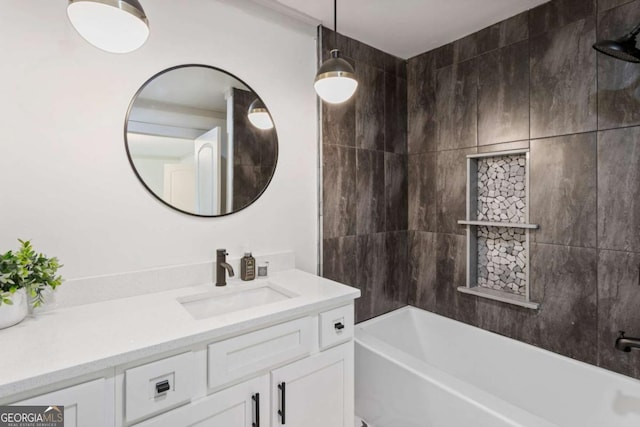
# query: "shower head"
[[623, 48]]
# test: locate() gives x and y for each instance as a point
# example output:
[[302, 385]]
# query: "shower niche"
[[497, 222]]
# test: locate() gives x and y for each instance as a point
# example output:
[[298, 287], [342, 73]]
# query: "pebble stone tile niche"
[[498, 227]]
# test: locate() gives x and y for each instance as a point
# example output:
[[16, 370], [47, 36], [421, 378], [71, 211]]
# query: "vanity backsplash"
[[89, 290]]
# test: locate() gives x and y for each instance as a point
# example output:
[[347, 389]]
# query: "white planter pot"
[[16, 312], [48, 303]]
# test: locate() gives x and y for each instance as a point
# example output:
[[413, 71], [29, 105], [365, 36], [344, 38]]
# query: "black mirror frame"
[[144, 184]]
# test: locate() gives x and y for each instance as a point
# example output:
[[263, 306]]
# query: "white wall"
[[65, 180]]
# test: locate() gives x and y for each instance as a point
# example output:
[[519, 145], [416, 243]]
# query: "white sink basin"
[[223, 301]]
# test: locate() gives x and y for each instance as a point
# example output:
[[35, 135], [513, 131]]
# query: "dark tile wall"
[[365, 180], [533, 81], [255, 152]]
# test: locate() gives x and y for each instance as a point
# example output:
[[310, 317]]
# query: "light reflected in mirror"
[[201, 140]]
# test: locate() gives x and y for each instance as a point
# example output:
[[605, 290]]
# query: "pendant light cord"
[[335, 23]]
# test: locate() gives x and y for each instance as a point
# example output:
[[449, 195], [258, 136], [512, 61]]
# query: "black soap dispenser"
[[248, 267]]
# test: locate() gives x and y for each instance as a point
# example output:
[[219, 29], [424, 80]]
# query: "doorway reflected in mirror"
[[192, 145]]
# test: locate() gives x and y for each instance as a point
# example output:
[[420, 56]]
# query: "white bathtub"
[[415, 368]]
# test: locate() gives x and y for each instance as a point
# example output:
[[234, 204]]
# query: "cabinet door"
[[232, 407], [88, 404], [316, 391]]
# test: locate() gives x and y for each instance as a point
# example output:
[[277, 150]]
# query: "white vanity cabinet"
[[86, 404], [297, 371]]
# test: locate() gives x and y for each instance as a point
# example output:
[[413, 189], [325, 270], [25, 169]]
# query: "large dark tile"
[[396, 66], [509, 31], [395, 182], [509, 320], [332, 41], [395, 114], [465, 48], [422, 256], [339, 123], [456, 103], [618, 302], [364, 53], [246, 185], [503, 95], [504, 146], [268, 148], [604, 5], [266, 173], [371, 273], [451, 187], [619, 189], [422, 192], [618, 81], [370, 102], [370, 191], [563, 80], [451, 273], [558, 13], [247, 139], [421, 100], [339, 259], [444, 55], [564, 281], [352, 49], [338, 191], [563, 190], [395, 291]]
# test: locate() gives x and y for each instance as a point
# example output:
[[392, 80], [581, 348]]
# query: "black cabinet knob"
[[339, 326], [163, 387]]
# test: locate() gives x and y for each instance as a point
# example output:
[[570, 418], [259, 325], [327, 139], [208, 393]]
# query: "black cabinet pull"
[[339, 326], [256, 399], [162, 387], [283, 398]]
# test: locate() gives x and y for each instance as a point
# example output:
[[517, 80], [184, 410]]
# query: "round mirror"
[[201, 141]]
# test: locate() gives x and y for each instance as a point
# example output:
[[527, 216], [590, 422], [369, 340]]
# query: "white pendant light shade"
[[335, 81], [259, 115], [117, 26]]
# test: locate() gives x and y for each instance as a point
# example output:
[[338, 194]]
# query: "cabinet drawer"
[[158, 386], [336, 326], [240, 357]]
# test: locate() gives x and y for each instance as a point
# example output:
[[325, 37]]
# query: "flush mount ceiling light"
[[336, 80], [623, 48], [117, 26], [259, 115]]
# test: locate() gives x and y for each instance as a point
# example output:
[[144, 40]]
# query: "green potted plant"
[[25, 278]]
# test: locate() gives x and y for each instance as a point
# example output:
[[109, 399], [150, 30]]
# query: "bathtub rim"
[[360, 328]]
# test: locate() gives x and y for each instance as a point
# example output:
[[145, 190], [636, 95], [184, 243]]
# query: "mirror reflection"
[[201, 140]]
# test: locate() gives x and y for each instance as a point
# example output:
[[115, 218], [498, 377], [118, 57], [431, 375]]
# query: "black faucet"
[[626, 344], [222, 267]]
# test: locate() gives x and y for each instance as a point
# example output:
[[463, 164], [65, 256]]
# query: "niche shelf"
[[497, 222]]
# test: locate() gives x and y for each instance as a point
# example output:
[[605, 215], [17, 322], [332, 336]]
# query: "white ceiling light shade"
[[116, 26], [259, 115], [336, 80]]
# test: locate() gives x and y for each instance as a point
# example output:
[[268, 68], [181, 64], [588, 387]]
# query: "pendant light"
[[259, 115], [336, 80], [117, 26]]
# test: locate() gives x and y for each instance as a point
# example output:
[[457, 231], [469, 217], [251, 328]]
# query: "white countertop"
[[70, 342]]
